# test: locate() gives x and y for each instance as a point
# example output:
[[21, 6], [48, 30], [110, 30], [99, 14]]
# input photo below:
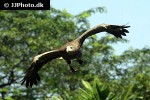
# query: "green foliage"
[[103, 91], [81, 18], [96, 91], [25, 34]]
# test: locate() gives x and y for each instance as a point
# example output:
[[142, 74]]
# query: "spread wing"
[[31, 76], [115, 30]]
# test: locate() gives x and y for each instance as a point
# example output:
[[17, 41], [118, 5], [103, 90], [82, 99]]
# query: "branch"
[[11, 78]]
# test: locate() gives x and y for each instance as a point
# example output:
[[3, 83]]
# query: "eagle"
[[69, 51]]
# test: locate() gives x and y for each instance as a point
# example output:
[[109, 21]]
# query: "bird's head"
[[70, 49]]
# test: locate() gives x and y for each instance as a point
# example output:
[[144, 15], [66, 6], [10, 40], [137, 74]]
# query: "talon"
[[73, 70], [80, 62]]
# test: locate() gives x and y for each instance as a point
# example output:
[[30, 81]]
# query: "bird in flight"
[[69, 51]]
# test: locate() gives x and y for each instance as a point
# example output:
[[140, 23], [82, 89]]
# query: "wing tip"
[[30, 79], [118, 31]]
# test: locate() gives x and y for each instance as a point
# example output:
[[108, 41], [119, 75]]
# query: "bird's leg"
[[72, 69], [80, 61]]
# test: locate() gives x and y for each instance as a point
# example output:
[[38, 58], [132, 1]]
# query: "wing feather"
[[116, 30], [31, 75]]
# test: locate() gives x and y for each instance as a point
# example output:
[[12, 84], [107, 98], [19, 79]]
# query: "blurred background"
[[113, 68]]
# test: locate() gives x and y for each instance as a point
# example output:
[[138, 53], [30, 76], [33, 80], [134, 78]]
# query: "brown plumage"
[[69, 51]]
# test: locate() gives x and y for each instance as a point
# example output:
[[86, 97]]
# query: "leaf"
[[87, 86]]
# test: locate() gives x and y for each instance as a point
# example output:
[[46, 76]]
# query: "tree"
[[25, 34]]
